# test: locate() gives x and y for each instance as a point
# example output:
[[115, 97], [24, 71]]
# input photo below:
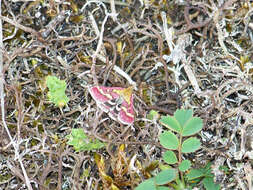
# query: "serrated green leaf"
[[190, 145], [193, 126], [209, 184], [165, 176], [78, 133], [195, 173], [171, 123], [76, 137], [170, 157], [182, 116], [81, 142], [55, 84], [147, 184], [93, 145], [169, 140], [184, 165], [56, 93]]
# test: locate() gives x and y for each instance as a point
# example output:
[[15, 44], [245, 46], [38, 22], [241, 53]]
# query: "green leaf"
[[55, 84], [163, 188], [153, 115], [170, 157], [195, 173], [165, 177], [78, 133], [190, 145], [56, 93], [209, 184], [147, 184], [169, 140], [208, 170], [92, 145], [193, 126], [81, 142], [164, 166], [184, 165], [171, 123], [182, 116]]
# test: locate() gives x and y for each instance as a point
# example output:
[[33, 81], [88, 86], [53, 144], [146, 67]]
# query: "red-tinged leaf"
[[116, 101]]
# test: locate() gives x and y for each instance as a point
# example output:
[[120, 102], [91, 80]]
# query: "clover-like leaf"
[[169, 140], [184, 165], [182, 116], [191, 145], [171, 123], [209, 184], [163, 188], [195, 173], [147, 184], [170, 157], [193, 126], [165, 176]]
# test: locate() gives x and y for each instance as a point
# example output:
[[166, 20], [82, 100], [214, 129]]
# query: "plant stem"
[[180, 156]]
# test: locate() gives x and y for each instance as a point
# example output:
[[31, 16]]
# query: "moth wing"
[[103, 94], [126, 114], [110, 102]]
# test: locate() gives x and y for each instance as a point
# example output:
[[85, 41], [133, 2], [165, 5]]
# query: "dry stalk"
[[249, 173], [94, 24], [190, 75], [100, 38], [167, 32], [240, 183], [14, 144], [51, 25], [24, 28], [113, 9]]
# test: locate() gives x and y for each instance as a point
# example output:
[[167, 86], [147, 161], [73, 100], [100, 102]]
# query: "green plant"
[[184, 125], [56, 92], [81, 142], [203, 175]]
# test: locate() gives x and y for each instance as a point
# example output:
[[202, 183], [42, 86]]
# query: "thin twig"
[[113, 9], [24, 28], [52, 24], [125, 75], [15, 145]]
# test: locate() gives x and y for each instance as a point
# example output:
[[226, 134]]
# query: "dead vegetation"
[[178, 54]]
